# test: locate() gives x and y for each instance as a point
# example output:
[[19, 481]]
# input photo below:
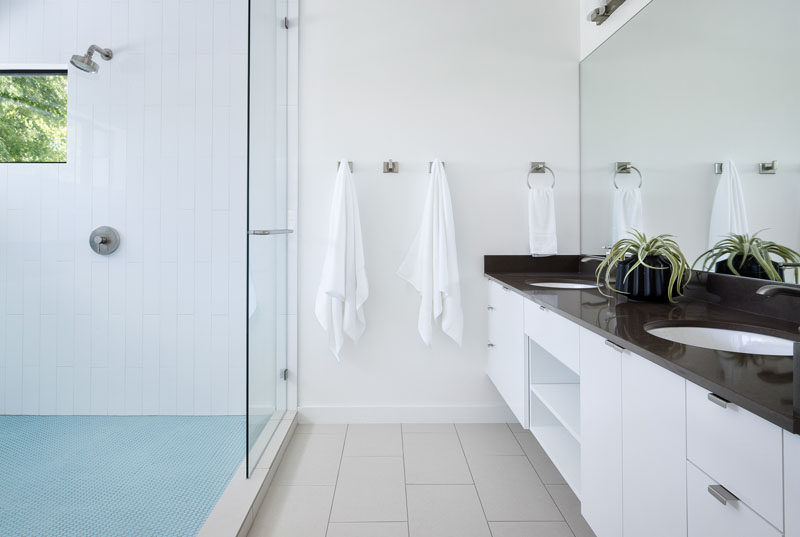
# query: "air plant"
[[740, 249], [633, 253]]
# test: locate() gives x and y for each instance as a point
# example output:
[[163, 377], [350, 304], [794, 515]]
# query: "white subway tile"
[[83, 343], [99, 390], [13, 389], [185, 365], [116, 390], [219, 263], [202, 364], [48, 389], [133, 390], [65, 403], [167, 398], [82, 395], [219, 364], [30, 389]]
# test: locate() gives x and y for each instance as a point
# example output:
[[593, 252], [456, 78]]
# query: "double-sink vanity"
[[655, 421]]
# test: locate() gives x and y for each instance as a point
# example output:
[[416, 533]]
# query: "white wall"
[[157, 150], [487, 87], [592, 35]]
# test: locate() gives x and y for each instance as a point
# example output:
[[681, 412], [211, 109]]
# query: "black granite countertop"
[[764, 385]]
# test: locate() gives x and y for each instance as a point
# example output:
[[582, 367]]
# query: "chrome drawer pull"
[[722, 494], [614, 346], [490, 345], [490, 308], [542, 308], [717, 400]]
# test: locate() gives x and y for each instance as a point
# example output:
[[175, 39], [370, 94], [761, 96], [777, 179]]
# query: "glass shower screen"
[[267, 225]]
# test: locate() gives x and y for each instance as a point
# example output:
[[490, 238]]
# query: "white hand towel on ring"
[[626, 213], [542, 237], [431, 265]]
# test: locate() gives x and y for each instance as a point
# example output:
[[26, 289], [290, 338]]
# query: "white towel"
[[343, 288], [626, 214], [542, 220], [728, 213], [431, 265]]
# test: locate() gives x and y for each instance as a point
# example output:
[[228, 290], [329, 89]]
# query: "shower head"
[[85, 62]]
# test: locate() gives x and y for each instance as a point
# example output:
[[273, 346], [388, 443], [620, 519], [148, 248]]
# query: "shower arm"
[[105, 53]]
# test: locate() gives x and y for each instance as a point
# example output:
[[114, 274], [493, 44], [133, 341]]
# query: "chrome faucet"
[[587, 258], [779, 289]]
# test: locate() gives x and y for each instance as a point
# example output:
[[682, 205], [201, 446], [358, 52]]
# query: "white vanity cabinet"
[[507, 363], [791, 479], [653, 450], [647, 452], [601, 434]]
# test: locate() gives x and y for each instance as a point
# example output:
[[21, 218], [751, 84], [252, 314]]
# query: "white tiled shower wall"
[[157, 149]]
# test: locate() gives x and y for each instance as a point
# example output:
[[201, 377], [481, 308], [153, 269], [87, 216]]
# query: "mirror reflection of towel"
[[728, 213], [626, 213]]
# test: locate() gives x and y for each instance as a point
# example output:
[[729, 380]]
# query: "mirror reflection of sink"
[[732, 339], [563, 285]]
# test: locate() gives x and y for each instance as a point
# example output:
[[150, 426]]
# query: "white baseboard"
[[405, 414]]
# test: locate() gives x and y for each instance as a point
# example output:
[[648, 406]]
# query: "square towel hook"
[[390, 166]]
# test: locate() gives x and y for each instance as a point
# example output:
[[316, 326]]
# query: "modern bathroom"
[[362, 268]]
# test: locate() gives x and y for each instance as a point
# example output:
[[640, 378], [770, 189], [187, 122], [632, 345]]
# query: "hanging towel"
[[542, 220], [626, 214], [343, 288], [728, 213], [431, 265]]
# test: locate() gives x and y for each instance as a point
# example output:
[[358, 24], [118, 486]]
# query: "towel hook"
[[390, 166], [430, 166], [626, 167], [768, 167], [539, 167], [718, 168], [349, 165]]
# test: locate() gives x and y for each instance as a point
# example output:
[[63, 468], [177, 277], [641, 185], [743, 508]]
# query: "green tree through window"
[[33, 116]]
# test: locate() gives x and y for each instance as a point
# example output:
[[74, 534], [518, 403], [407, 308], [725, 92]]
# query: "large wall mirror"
[[682, 86]]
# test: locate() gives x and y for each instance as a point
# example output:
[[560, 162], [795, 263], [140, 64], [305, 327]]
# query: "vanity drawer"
[[737, 449], [708, 516], [553, 333]]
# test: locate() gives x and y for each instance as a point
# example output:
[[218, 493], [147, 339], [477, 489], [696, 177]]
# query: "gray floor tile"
[[373, 441], [547, 471], [516, 428], [429, 428], [370, 489], [435, 459], [510, 490], [529, 529], [367, 529], [570, 506], [293, 511], [488, 439], [320, 428], [311, 459], [445, 511]]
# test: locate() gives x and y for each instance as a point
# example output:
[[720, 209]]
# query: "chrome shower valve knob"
[[104, 240]]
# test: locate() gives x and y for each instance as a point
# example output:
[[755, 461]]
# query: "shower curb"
[[237, 507]]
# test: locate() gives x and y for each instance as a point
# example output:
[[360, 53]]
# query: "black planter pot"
[[750, 269], [645, 284]]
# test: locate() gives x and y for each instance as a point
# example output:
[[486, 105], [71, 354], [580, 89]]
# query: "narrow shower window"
[[33, 116]]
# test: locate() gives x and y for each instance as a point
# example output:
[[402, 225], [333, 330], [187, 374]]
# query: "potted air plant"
[[651, 270], [748, 255]]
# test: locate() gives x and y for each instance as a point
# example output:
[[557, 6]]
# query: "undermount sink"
[[730, 339], [563, 285]]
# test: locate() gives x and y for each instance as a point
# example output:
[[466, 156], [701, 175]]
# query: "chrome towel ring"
[[626, 167], [539, 167]]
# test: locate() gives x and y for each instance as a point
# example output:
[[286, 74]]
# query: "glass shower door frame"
[[262, 368]]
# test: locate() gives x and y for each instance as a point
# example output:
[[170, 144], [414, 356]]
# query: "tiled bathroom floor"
[[482, 480]]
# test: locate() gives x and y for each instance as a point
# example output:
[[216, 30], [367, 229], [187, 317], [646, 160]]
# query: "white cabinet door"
[[653, 450], [791, 479], [506, 365], [601, 435]]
